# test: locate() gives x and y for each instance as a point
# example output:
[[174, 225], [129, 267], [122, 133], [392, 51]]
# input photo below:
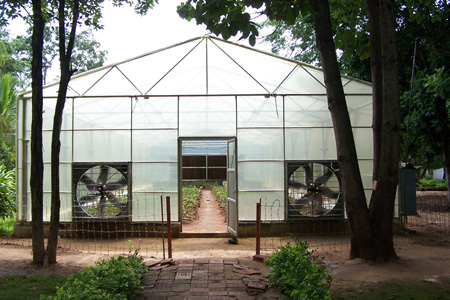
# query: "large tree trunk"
[[446, 146], [383, 196], [355, 201], [37, 164], [377, 80], [66, 73]]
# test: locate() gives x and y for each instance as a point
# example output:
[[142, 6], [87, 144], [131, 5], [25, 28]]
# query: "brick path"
[[206, 279]]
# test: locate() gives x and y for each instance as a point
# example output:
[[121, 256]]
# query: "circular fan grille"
[[314, 189], [102, 192]]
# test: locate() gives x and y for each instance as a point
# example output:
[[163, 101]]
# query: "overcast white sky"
[[127, 34]]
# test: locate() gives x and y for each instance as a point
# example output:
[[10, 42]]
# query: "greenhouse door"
[[232, 211]]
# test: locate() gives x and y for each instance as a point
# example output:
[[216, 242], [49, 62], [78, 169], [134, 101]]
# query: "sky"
[[127, 34]]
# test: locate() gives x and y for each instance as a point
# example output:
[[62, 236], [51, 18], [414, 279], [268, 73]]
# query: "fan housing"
[[314, 190], [101, 191]]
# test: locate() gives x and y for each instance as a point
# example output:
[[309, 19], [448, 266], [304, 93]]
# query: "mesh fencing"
[[431, 224], [119, 237], [433, 215], [108, 236], [320, 233]]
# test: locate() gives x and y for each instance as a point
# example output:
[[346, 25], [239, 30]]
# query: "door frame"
[[180, 171]]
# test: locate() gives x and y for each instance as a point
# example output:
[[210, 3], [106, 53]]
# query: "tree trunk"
[[446, 147], [355, 200], [377, 78], [66, 73], [37, 164], [383, 196]]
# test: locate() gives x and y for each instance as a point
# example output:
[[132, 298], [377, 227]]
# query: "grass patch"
[[398, 290], [7, 226], [29, 286]]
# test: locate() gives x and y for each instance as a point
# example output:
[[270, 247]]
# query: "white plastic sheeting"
[[138, 110]]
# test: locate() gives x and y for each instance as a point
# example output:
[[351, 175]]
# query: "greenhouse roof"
[[199, 67]]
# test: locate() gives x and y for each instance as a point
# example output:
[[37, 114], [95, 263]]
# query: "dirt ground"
[[421, 258], [418, 261]]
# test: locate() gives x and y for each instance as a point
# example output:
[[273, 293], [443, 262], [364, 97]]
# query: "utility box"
[[407, 191]]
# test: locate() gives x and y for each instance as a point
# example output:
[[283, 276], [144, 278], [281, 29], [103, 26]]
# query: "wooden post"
[[169, 228]]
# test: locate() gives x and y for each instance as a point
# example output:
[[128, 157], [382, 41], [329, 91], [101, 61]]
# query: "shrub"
[[7, 225], [7, 193], [295, 273], [432, 183], [112, 279]]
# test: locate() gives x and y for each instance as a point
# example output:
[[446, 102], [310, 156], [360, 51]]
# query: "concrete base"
[[306, 226], [120, 229], [104, 229]]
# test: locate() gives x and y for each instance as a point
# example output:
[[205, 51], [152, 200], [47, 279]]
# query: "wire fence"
[[433, 215], [108, 236], [430, 224], [121, 237], [320, 233]]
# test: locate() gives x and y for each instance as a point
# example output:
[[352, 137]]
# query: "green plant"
[[114, 278], [191, 200], [294, 272], [7, 192], [220, 193], [432, 183], [7, 225]]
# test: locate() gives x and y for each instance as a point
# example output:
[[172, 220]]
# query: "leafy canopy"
[[230, 18]]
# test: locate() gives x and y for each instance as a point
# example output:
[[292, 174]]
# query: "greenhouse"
[[203, 109]]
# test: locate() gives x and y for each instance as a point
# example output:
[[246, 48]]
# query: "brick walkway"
[[206, 279]]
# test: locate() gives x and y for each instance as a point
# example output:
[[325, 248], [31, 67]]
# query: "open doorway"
[[204, 185]]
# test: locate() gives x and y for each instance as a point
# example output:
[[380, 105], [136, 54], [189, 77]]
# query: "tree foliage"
[[350, 31], [7, 111], [87, 54], [422, 36], [430, 111], [7, 192]]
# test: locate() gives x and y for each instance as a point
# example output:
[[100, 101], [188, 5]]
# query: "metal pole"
[[258, 225], [169, 228]]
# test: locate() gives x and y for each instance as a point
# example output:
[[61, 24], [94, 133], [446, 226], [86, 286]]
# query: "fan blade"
[[322, 179], [112, 186], [102, 205], [88, 199], [297, 185], [114, 200], [103, 176], [309, 173], [90, 184], [327, 192]]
